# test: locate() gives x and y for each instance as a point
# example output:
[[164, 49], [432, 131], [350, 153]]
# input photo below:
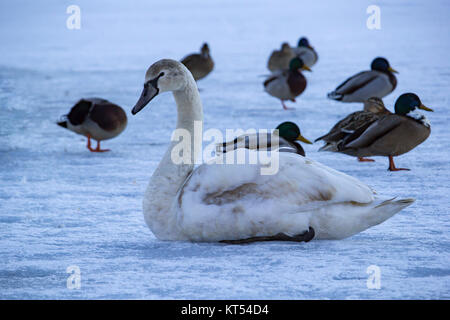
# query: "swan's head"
[[164, 75]]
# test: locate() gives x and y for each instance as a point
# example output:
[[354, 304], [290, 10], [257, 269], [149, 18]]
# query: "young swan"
[[236, 203]]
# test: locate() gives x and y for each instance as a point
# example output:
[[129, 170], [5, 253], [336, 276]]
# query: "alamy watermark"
[[74, 279], [374, 279], [74, 20], [374, 20]]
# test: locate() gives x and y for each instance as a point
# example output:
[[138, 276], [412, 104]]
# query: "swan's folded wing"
[[297, 182], [374, 131], [236, 201]]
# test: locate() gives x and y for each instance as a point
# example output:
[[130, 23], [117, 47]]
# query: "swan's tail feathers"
[[335, 96], [332, 147], [387, 208]]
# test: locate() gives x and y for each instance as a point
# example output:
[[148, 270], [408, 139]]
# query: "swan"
[[237, 204]]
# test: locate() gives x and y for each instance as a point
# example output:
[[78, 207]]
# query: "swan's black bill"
[[147, 95]]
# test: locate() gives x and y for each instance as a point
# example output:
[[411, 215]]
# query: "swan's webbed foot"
[[303, 237]]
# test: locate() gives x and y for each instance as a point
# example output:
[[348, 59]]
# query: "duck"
[[191, 200], [95, 118], [200, 64], [389, 135], [279, 59], [377, 82], [284, 139], [287, 84], [374, 109], [306, 52]]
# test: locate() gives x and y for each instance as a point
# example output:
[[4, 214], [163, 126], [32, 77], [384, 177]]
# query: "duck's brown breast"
[[402, 139], [297, 83]]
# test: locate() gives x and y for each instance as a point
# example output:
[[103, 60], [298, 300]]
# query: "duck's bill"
[[305, 67], [303, 139], [425, 108], [147, 95], [392, 70]]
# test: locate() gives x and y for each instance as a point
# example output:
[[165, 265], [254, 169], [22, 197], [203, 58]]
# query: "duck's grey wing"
[[79, 112], [368, 134], [352, 84]]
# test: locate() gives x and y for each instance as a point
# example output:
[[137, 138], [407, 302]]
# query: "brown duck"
[[390, 135], [279, 59], [373, 110], [199, 64], [95, 118]]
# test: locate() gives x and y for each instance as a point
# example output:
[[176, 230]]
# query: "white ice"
[[61, 205]]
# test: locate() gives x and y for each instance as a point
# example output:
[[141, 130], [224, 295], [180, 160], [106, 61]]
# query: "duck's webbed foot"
[[303, 237], [392, 166], [362, 159]]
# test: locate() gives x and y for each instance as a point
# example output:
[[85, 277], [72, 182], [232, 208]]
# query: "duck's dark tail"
[[62, 124], [334, 96]]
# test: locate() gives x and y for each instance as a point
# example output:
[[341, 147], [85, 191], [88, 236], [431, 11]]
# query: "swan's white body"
[[229, 202]]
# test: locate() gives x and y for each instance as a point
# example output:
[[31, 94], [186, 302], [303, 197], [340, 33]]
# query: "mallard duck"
[[390, 135], [284, 137], [373, 110], [378, 82], [287, 84], [236, 203], [306, 52], [201, 64], [279, 59], [95, 118]]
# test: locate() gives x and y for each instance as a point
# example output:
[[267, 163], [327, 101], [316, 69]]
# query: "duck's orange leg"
[[98, 148], [89, 144], [392, 165], [362, 159], [284, 106]]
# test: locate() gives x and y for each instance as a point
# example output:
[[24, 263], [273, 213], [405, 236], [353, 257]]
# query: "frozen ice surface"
[[61, 205]]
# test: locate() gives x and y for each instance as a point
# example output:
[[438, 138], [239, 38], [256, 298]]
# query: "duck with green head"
[[284, 138], [392, 134], [287, 84], [306, 52], [377, 82], [374, 109]]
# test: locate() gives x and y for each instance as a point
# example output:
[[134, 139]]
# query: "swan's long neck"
[[169, 177]]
